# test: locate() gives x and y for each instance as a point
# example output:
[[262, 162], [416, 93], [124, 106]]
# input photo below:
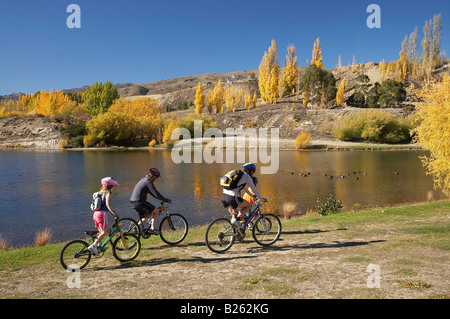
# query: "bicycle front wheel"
[[267, 229], [173, 229], [220, 235], [126, 247], [129, 225], [75, 255]]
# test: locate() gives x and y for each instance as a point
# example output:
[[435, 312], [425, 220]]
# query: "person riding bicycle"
[[231, 198], [100, 214], [139, 201]]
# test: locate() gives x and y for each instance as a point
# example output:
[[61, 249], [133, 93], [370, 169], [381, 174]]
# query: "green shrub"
[[330, 206]]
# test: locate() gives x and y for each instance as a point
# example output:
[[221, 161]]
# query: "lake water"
[[53, 189]]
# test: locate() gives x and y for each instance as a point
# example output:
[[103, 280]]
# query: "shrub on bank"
[[374, 126]]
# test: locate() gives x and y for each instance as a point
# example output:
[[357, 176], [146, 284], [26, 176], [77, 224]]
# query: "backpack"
[[231, 179], [96, 201]]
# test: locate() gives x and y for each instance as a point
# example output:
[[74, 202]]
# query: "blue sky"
[[144, 41]]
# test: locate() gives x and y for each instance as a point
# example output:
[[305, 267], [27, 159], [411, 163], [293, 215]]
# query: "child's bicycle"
[[221, 233], [125, 247], [173, 228]]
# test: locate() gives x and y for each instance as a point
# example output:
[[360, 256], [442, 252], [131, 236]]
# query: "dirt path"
[[317, 261]]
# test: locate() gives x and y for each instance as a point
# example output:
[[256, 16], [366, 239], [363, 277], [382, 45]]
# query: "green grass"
[[406, 219]]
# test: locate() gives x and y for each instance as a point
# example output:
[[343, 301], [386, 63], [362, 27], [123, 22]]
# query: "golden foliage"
[[317, 54], [199, 99], [433, 132], [340, 93], [303, 140], [290, 70], [167, 137], [268, 74]]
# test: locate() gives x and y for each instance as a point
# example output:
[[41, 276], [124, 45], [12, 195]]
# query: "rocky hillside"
[[39, 132], [289, 115]]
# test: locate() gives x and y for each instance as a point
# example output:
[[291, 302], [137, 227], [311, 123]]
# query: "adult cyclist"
[[139, 201], [232, 200]]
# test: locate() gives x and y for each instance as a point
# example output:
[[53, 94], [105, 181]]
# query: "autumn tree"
[[268, 74], [402, 64], [99, 97], [48, 104], [199, 99], [219, 96], [340, 93], [229, 98], [290, 71], [431, 44], [433, 133], [317, 54]]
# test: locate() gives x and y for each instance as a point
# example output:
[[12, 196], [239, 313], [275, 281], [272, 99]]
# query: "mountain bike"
[[221, 233], [125, 247], [173, 228]]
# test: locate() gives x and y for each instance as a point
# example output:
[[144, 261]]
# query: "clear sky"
[[141, 41]]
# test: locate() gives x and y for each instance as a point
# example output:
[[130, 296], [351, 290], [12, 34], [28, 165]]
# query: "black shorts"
[[143, 208], [233, 201]]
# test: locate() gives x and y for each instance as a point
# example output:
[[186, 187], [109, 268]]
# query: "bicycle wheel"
[[220, 235], [129, 225], [267, 229], [126, 249], [75, 255], [173, 229]]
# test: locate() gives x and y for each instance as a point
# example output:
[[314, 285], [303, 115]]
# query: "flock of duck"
[[348, 175]]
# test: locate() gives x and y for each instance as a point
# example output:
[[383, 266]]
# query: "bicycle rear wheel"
[[126, 248], [267, 229], [173, 229], [75, 255], [220, 235]]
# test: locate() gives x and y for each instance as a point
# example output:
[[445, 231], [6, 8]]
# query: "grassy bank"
[[316, 257]]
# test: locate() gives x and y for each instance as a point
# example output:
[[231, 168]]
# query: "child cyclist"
[[100, 214]]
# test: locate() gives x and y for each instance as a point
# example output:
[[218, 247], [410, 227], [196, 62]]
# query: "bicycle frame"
[[114, 230], [254, 213], [248, 219]]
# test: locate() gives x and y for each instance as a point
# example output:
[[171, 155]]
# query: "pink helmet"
[[109, 181]]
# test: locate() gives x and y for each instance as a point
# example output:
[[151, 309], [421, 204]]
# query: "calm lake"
[[53, 189]]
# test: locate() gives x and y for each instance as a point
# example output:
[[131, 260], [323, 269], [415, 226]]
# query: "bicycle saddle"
[[91, 232]]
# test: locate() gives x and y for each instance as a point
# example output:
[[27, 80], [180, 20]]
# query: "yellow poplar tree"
[[340, 93], [210, 101], [219, 95], [433, 132], [199, 99], [254, 100], [317, 54], [248, 101], [290, 70], [268, 63]]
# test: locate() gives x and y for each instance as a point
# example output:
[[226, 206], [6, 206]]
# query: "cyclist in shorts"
[[139, 201], [231, 198], [100, 214]]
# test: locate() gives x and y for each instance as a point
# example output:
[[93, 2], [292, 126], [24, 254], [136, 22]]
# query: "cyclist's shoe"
[[93, 250], [153, 231]]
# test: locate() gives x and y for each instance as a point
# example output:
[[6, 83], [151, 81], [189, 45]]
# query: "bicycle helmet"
[[249, 167], [109, 181], [154, 172]]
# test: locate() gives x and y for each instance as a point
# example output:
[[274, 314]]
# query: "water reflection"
[[53, 189]]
